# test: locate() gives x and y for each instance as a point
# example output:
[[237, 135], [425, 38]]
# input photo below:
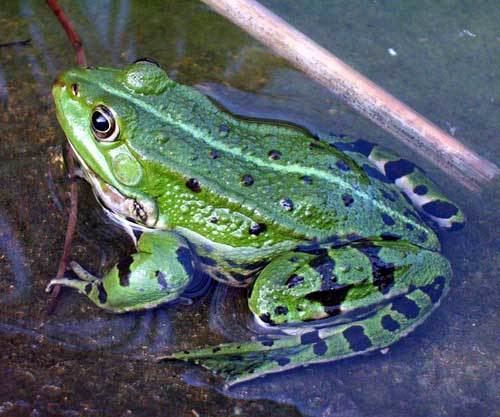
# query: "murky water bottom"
[[81, 361]]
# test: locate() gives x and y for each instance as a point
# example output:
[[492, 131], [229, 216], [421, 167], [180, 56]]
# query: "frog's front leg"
[[159, 272], [376, 293]]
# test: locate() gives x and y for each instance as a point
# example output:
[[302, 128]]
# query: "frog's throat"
[[138, 213], [131, 212]]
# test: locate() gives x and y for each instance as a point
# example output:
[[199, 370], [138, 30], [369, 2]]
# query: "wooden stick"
[[359, 92]]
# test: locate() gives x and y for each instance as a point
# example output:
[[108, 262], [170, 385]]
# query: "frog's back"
[[288, 183]]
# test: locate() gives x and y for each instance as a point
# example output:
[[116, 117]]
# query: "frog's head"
[[97, 109]]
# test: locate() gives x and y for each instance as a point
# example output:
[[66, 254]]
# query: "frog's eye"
[[104, 124], [147, 61]]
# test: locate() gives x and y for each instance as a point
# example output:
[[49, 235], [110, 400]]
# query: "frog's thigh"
[[384, 290], [350, 281], [422, 192], [159, 272]]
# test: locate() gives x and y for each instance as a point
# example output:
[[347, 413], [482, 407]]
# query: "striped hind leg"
[[372, 312], [410, 179]]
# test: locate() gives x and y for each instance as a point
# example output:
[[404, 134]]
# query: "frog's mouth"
[[141, 212]]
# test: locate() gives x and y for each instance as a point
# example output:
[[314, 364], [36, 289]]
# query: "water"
[[442, 58]]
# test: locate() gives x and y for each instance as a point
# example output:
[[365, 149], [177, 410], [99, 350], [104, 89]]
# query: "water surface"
[[442, 58]]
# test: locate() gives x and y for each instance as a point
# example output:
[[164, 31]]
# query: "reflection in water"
[[4, 93], [148, 332], [39, 43], [19, 277], [121, 20], [305, 388], [231, 317], [101, 17], [276, 108], [110, 20]]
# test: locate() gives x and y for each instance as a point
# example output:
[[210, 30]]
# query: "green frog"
[[328, 233]]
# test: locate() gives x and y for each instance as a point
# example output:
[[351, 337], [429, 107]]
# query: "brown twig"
[[358, 92], [70, 31], [73, 214], [70, 230]]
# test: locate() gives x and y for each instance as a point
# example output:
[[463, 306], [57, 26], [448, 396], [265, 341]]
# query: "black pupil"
[[100, 122]]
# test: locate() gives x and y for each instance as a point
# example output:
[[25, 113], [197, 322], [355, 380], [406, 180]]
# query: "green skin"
[[330, 230]]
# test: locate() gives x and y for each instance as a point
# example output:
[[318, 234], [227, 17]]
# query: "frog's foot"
[[82, 286], [410, 179], [159, 272], [377, 296]]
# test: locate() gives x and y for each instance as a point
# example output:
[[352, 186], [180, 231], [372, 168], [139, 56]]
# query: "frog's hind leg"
[[412, 181], [159, 272], [375, 293]]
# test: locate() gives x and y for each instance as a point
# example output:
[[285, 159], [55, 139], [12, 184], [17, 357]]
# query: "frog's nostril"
[[75, 89]]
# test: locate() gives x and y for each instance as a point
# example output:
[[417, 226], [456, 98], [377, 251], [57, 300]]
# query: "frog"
[[335, 238]]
